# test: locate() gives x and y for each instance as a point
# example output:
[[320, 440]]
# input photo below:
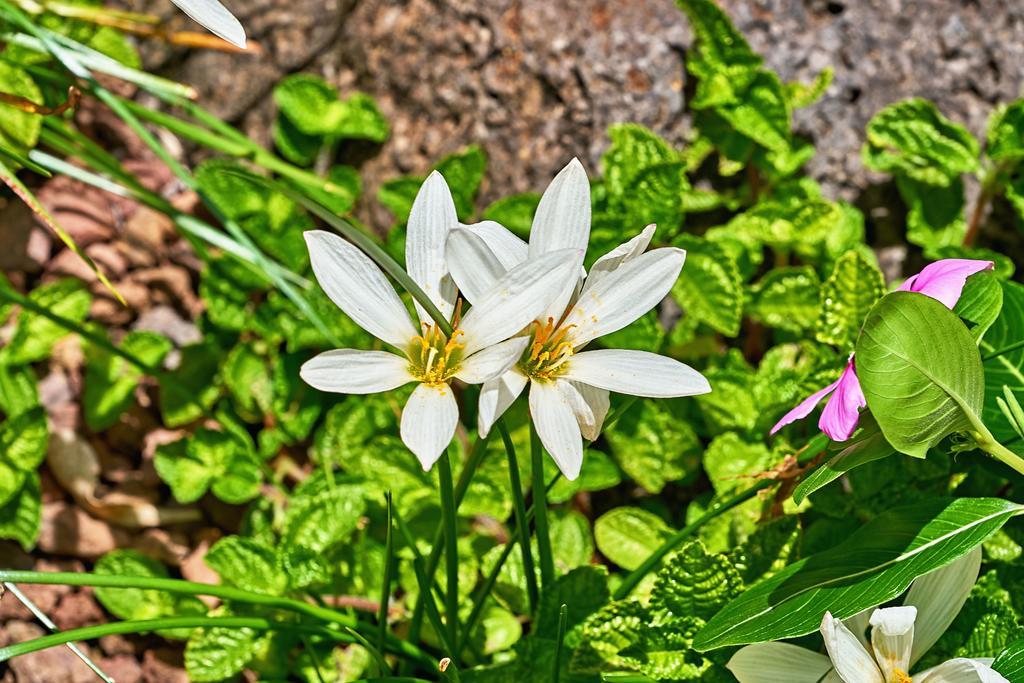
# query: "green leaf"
[[1010, 662], [694, 582], [214, 654], [920, 372], [213, 460], [19, 389], [187, 393], [23, 440], [805, 94], [935, 216], [137, 603], [768, 550], [1006, 133], [360, 118], [21, 516], [848, 294], [731, 462], [868, 446], [247, 564], [761, 113], [1004, 368], [634, 149], [653, 446], [320, 521], [628, 535], [723, 60], [980, 302], [709, 288], [571, 541], [583, 590], [398, 195], [787, 298], [247, 377], [34, 336], [19, 130], [293, 144], [912, 138], [874, 565], [110, 380]]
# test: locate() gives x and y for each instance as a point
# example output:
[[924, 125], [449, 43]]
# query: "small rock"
[[117, 645], [69, 530], [77, 610], [164, 665], [44, 597], [122, 668], [166, 321]]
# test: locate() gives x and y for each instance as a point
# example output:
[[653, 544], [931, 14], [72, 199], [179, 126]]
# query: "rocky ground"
[[534, 82]]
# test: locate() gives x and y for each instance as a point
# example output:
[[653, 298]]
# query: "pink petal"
[[804, 408], [842, 411], [944, 280]]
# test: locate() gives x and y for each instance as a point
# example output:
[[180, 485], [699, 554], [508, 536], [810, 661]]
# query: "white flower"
[[569, 387], [216, 18], [478, 350], [899, 638]]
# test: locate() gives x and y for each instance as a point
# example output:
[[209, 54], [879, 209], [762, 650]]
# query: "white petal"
[[892, 635], [474, 266], [851, 661], [858, 624], [349, 371], [496, 396], [358, 287], [562, 220], [637, 373], [556, 425], [429, 421], [431, 219], [961, 671], [518, 298], [584, 414], [619, 255], [216, 18], [625, 294], [598, 403], [492, 362], [938, 597], [778, 663], [507, 247]]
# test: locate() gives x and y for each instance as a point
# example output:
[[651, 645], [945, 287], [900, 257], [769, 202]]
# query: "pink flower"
[[943, 281]]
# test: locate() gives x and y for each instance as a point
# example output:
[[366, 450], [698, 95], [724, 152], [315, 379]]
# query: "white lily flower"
[[215, 17], [569, 393], [480, 347], [900, 636]]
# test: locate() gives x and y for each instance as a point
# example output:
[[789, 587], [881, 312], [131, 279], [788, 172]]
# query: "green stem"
[[540, 506], [563, 617], [813, 448], [385, 591], [492, 578], [451, 550], [519, 507], [476, 455], [149, 625], [1006, 349], [1002, 454]]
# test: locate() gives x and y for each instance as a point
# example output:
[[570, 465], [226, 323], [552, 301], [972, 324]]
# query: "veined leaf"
[[709, 288], [848, 294], [1004, 361], [920, 371], [1010, 662], [1006, 133], [874, 565], [914, 139], [869, 446]]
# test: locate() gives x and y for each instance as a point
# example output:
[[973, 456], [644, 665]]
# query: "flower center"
[[900, 676], [546, 355], [433, 356]]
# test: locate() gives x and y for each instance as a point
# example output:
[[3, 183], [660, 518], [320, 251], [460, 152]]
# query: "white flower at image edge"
[[900, 636], [478, 350], [215, 17], [569, 387]]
